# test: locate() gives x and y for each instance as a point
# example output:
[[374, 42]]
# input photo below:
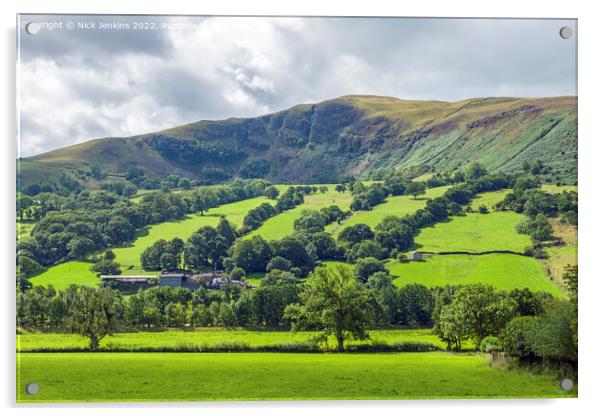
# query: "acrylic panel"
[[218, 208]]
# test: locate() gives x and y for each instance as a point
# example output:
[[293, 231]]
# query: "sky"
[[86, 77]]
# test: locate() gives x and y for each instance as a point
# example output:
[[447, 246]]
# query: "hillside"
[[318, 143]]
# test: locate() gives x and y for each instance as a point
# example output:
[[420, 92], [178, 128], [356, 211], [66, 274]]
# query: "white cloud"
[[78, 86]]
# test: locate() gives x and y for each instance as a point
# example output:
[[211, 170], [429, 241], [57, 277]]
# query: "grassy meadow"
[[502, 271], [475, 233], [171, 339], [394, 205], [283, 224], [98, 377], [65, 274], [489, 199]]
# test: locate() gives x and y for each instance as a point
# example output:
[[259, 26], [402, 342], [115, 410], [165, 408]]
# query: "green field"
[[65, 274], [209, 337], [77, 272], [282, 224], [474, 233], [557, 189], [489, 199], [394, 205], [502, 271], [96, 377]]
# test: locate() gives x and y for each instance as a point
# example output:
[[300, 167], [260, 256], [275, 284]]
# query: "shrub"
[[491, 344], [237, 273], [483, 209], [279, 263]]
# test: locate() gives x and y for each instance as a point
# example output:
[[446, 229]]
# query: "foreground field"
[[474, 233], [209, 337], [502, 271], [66, 377]]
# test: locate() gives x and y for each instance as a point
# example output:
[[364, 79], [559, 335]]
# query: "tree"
[[150, 258], [366, 267], [393, 233], [367, 248], [355, 233], [80, 247], [384, 297], [279, 263], [94, 313], [340, 188], [475, 311], [538, 228], [323, 189], [226, 230], [416, 188], [475, 171], [555, 335], [396, 184], [205, 247], [251, 254], [517, 337], [106, 267], [175, 314], [272, 192], [168, 262], [334, 302], [28, 266], [184, 183], [310, 220], [453, 326], [293, 248], [416, 305], [24, 202]]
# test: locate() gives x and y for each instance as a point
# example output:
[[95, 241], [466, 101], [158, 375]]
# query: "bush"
[[237, 273], [540, 253], [483, 209], [491, 344]]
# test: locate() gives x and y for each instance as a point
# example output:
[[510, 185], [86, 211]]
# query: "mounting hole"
[[566, 32], [32, 389], [33, 27], [566, 384]]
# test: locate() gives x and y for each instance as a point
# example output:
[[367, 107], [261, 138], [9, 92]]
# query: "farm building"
[[416, 256], [180, 278], [173, 279], [130, 280]]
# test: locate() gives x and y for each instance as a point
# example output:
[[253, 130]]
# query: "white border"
[[590, 139]]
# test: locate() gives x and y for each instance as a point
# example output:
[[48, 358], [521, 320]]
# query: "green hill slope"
[[317, 143]]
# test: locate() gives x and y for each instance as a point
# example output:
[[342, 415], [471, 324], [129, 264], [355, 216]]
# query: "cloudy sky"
[[122, 76]]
